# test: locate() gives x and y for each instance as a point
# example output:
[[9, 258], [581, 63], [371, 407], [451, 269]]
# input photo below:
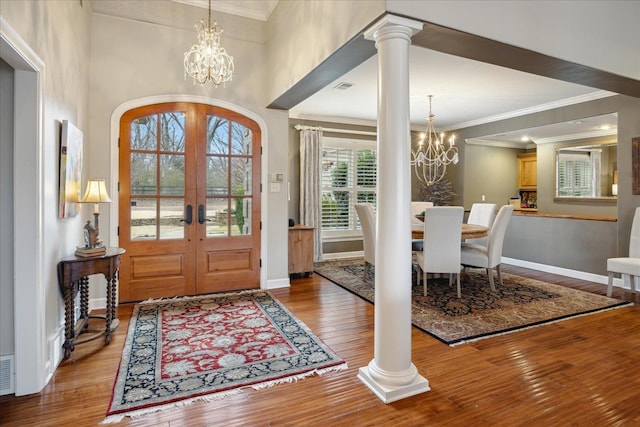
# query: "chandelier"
[[207, 61], [433, 155]]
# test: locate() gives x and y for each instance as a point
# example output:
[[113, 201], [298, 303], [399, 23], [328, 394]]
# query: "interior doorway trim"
[[34, 370], [158, 99]]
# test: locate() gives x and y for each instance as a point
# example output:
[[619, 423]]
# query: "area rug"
[[181, 350], [480, 313]]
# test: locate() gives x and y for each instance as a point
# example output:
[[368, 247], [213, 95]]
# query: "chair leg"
[[499, 275], [424, 283], [458, 280], [632, 283], [490, 274], [367, 266], [610, 284]]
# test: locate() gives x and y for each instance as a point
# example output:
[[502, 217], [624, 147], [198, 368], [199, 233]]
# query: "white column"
[[391, 375]]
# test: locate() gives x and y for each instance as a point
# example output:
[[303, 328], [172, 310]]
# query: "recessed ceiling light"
[[525, 138]]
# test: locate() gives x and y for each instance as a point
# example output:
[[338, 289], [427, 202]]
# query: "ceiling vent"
[[343, 86]]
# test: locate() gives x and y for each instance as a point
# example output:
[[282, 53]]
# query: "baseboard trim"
[[576, 274], [277, 283]]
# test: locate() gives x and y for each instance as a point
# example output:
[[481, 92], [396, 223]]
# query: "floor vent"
[[7, 375]]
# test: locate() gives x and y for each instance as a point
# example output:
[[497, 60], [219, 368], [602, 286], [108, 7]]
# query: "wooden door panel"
[[177, 158], [228, 260], [162, 265], [140, 290]]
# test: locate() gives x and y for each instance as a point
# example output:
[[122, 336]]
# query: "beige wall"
[[58, 33], [302, 34], [142, 71]]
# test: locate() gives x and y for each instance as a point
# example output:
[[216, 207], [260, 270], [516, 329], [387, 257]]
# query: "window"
[[348, 177], [578, 173]]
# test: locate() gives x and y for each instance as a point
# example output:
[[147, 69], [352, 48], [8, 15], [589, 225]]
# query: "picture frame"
[[635, 165], [70, 177]]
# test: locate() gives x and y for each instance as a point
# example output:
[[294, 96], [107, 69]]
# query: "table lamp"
[[95, 193]]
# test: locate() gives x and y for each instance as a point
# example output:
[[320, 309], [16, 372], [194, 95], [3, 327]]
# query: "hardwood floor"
[[581, 371]]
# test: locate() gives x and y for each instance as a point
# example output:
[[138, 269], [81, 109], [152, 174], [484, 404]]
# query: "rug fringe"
[[320, 372], [116, 418], [550, 322]]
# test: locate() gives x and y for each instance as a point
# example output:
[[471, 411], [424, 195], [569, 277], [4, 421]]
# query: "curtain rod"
[[334, 130]]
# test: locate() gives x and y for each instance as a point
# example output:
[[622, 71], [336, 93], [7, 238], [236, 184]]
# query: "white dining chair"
[[489, 257], [416, 209], [629, 266], [367, 217], [481, 214], [441, 244]]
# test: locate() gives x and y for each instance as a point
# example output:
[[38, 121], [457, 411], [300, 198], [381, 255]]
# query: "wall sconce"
[[95, 193]]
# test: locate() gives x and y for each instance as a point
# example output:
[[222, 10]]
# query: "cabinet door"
[[527, 172], [300, 250]]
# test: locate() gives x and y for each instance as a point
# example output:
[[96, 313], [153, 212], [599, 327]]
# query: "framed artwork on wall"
[[635, 165], [70, 170]]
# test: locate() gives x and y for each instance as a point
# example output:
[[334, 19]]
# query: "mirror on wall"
[[586, 171]]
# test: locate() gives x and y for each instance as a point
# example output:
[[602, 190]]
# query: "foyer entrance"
[[189, 201]]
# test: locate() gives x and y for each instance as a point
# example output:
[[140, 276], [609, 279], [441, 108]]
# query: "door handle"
[[188, 215], [202, 218]]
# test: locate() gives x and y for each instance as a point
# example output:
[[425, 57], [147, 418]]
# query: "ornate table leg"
[[110, 314], [114, 293], [69, 321], [84, 301]]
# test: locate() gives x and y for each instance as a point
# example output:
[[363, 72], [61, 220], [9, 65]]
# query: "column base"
[[390, 394]]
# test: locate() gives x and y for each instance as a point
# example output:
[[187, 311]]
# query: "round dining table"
[[469, 231]]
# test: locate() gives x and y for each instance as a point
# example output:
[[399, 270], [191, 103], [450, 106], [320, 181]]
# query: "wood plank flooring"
[[582, 371]]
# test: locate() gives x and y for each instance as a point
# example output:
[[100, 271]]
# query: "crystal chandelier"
[[433, 155], [207, 61]]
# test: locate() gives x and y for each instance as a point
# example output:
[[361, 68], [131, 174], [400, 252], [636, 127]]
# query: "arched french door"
[[189, 201]]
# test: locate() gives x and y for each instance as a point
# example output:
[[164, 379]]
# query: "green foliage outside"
[[240, 210]]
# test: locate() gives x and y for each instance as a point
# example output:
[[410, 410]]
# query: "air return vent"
[[6, 375], [343, 86]]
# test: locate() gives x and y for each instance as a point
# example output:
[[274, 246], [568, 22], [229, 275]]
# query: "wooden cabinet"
[[301, 250], [527, 171]]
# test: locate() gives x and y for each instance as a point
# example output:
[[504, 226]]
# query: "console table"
[[73, 275]]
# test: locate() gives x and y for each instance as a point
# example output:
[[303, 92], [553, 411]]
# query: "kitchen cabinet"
[[527, 171]]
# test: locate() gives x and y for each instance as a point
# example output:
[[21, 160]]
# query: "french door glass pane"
[[172, 132], [241, 219], [241, 139], [217, 135], [172, 174], [171, 211], [240, 175], [217, 175], [143, 173], [218, 214], [144, 133], [143, 219]]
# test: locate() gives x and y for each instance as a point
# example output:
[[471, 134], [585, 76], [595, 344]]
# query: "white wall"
[[7, 346], [599, 34]]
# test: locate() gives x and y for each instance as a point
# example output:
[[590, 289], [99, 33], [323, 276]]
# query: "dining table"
[[469, 231]]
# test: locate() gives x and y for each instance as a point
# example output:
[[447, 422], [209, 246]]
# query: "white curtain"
[[310, 190]]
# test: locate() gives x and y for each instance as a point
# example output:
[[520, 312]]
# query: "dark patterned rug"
[[480, 313], [207, 347]]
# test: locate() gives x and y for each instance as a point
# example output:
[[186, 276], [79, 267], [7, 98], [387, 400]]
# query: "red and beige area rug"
[[178, 351], [480, 313]]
